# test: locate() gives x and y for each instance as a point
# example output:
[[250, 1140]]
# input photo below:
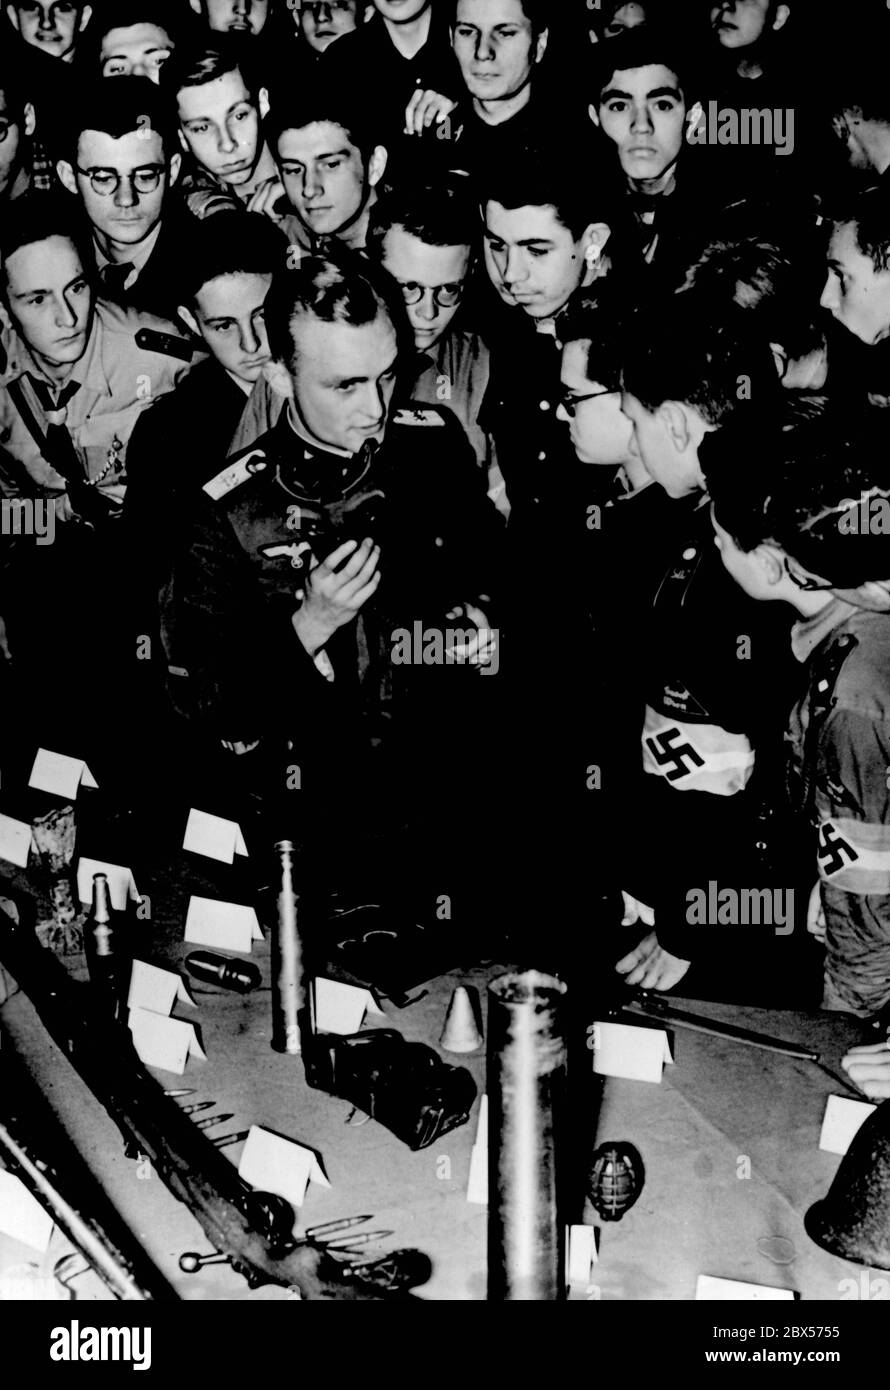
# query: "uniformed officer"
[[811, 531], [336, 534]]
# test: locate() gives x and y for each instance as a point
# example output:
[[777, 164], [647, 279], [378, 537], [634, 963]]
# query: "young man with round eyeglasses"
[[426, 238], [121, 165]]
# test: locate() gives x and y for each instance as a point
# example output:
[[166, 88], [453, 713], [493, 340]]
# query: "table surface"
[[729, 1141]]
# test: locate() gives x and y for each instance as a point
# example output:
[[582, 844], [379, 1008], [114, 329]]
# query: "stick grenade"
[[527, 1077]]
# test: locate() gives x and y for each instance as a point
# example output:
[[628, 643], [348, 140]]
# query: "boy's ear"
[[377, 165], [196, 6], [594, 114], [175, 166], [541, 44], [783, 13], [693, 119], [12, 16], [30, 119], [263, 102], [770, 561], [673, 417], [66, 176], [594, 241], [85, 16], [188, 318], [279, 379]]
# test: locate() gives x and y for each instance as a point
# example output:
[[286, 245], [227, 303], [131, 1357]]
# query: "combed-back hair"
[[342, 287], [441, 214], [37, 216], [869, 212], [316, 101], [807, 489], [203, 60], [681, 351], [231, 243], [759, 277], [546, 183], [117, 106], [649, 45]]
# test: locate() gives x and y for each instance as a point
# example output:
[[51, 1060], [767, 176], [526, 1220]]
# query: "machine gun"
[[253, 1230]]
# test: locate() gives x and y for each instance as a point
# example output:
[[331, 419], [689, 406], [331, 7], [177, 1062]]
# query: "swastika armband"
[[235, 474], [419, 416], [854, 855], [696, 757]]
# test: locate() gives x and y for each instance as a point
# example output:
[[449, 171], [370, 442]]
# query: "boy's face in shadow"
[[742, 23]]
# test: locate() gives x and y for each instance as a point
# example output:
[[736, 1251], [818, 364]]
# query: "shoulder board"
[[235, 474], [417, 415], [168, 344]]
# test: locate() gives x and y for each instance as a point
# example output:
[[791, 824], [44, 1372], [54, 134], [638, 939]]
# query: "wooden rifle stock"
[[253, 1229]]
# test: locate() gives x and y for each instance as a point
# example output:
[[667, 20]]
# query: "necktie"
[[113, 279], [59, 447]]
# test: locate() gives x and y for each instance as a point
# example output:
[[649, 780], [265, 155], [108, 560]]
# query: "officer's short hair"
[[317, 101], [680, 350], [869, 213], [648, 45], [123, 14], [537, 12], [803, 490], [199, 62], [344, 288], [116, 107], [36, 217], [537, 183], [442, 214], [231, 243]]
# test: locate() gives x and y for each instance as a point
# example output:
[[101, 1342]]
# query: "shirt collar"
[[299, 429], [140, 254], [807, 635]]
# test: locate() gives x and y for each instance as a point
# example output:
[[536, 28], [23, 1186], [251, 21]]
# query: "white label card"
[[226, 926], [162, 1042], [273, 1164], [214, 837], [843, 1120], [155, 989], [60, 775], [637, 1054]]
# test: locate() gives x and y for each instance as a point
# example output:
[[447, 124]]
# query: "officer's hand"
[[816, 915], [265, 198], [333, 596], [481, 647], [425, 108], [869, 1068], [652, 967]]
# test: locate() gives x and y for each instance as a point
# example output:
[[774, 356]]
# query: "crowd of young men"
[[406, 408]]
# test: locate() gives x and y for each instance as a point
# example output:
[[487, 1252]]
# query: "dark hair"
[[231, 243], [760, 278], [37, 217], [600, 318], [680, 351], [340, 288], [537, 184], [315, 101], [442, 214], [195, 64], [646, 46], [13, 89], [539, 13], [123, 14], [869, 212], [117, 106], [798, 490]]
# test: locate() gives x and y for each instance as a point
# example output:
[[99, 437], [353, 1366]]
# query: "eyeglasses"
[[446, 296], [571, 402], [108, 181]]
